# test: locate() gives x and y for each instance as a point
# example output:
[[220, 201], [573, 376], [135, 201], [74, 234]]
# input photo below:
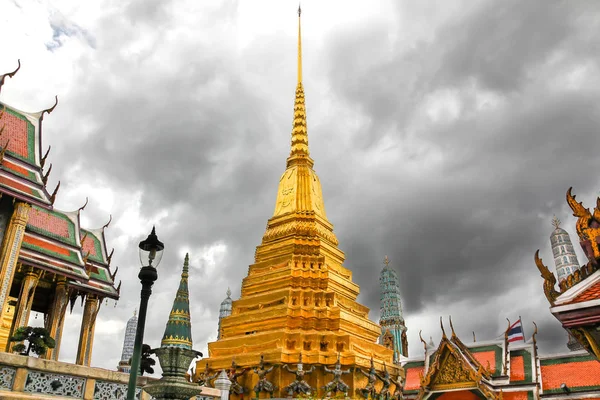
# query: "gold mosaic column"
[[88, 325], [11, 245], [23, 309], [56, 319]]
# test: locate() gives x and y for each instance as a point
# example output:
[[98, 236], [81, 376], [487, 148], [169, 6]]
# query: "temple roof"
[[54, 241], [21, 164], [178, 332]]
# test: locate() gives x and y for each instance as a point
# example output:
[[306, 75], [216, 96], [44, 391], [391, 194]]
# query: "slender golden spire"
[[299, 149], [299, 46]]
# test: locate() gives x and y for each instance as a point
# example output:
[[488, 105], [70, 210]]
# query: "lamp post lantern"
[[151, 250]]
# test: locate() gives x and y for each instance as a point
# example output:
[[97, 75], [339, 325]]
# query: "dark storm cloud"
[[466, 230], [201, 129]]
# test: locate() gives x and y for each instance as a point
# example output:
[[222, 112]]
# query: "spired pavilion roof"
[[53, 239]]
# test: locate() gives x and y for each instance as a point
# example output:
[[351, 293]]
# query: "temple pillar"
[[88, 325], [56, 319], [28, 285], [9, 250]]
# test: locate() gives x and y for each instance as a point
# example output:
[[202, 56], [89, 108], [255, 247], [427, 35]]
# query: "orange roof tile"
[[592, 293], [413, 382], [487, 359], [517, 369], [573, 374], [515, 395], [461, 395]]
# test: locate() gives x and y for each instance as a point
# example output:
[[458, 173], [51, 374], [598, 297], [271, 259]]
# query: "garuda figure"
[[233, 374], [369, 390], [299, 385], [205, 377], [386, 380], [336, 385], [398, 390], [263, 384]]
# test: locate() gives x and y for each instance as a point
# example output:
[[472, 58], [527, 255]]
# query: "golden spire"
[[386, 261], [299, 46], [299, 132]]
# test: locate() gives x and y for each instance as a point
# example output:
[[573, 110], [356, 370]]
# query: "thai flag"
[[515, 332]]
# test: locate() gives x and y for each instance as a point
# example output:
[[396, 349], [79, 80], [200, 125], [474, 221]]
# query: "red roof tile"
[[573, 374], [413, 382], [515, 395], [592, 293], [487, 359], [517, 369]]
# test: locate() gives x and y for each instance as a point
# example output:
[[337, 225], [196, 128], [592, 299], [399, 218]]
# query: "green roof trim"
[[97, 257], [564, 360], [526, 364], [414, 364], [71, 257], [99, 274], [178, 332]]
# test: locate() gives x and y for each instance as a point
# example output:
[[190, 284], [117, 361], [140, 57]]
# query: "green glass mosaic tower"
[[175, 353], [178, 332], [393, 328]]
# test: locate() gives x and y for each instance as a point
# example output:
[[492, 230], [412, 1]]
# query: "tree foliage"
[[38, 340]]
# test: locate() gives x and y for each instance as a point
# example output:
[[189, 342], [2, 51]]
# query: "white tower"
[[225, 310], [565, 259], [128, 343]]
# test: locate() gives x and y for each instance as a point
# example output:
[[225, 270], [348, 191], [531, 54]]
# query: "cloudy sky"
[[445, 134]]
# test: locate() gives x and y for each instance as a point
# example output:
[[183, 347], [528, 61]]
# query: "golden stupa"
[[298, 299]]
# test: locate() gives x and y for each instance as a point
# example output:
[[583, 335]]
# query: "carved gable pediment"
[[452, 371]]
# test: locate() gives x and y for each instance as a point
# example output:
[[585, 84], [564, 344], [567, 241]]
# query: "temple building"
[[393, 328], [47, 259], [494, 370], [224, 310], [298, 303], [498, 371], [128, 344]]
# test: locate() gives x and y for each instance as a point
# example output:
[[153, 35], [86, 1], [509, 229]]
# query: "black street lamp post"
[[151, 251]]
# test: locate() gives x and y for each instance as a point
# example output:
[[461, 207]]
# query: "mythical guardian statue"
[[233, 374], [385, 390], [336, 385], [205, 377], [369, 390], [263, 384], [299, 385]]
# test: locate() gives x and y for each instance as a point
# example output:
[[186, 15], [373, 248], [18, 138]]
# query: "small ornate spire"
[[178, 332], [228, 293], [386, 261], [555, 222]]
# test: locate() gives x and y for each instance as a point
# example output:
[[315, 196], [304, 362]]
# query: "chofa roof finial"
[[9, 74]]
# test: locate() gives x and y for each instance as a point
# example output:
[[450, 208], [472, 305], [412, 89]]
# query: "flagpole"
[[522, 329]]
